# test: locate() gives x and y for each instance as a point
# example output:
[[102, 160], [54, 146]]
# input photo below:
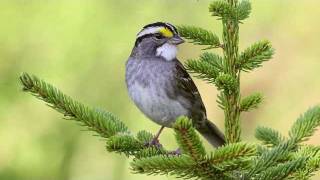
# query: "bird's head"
[[158, 39]]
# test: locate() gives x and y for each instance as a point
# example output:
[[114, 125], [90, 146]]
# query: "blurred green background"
[[81, 47]]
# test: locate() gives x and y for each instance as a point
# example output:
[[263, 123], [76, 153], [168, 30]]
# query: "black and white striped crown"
[[156, 28]]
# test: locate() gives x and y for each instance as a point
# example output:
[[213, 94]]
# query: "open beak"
[[176, 40]]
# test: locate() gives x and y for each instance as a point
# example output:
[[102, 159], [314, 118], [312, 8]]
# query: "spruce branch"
[[215, 60], [203, 70], [305, 125], [226, 82], [311, 165], [255, 55], [228, 11], [222, 9], [303, 128], [124, 144], [188, 139], [270, 158], [190, 144], [230, 51], [144, 136], [251, 102], [269, 136], [222, 101], [221, 164], [282, 170], [207, 67], [102, 122], [243, 10], [199, 36], [233, 156], [180, 166]]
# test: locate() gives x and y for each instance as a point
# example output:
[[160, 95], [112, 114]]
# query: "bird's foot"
[[154, 142], [176, 152]]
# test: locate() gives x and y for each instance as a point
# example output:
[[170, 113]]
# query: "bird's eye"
[[158, 36]]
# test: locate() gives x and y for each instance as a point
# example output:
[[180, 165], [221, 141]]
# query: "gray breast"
[[148, 83]]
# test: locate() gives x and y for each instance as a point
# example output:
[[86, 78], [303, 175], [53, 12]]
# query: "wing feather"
[[186, 88]]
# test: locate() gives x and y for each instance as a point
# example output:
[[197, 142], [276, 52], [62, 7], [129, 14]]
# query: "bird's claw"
[[176, 152], [154, 142]]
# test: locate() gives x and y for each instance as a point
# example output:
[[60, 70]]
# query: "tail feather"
[[212, 134]]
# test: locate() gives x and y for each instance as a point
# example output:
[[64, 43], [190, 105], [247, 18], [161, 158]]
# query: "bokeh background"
[[81, 47]]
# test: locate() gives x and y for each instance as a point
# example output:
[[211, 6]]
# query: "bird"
[[160, 86]]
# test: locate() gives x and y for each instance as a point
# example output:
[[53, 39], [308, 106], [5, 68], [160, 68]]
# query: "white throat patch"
[[167, 51]]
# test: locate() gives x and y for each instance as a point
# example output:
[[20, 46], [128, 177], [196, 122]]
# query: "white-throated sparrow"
[[160, 86]]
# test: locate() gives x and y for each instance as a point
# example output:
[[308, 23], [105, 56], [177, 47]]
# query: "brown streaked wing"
[[185, 87]]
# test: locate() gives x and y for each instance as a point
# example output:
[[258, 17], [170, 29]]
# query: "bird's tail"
[[212, 134]]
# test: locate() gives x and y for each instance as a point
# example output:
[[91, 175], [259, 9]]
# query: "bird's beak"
[[176, 40]]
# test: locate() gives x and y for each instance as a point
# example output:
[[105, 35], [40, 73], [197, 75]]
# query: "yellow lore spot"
[[166, 32]]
